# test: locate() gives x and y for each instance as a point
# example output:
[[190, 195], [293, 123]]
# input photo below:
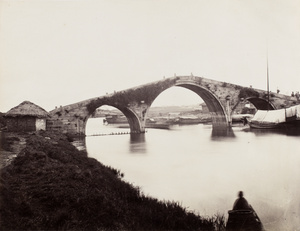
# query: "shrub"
[[248, 92]]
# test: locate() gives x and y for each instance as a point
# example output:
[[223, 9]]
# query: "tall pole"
[[268, 81]]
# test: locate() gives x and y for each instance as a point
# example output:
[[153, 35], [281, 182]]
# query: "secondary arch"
[[261, 104], [132, 118]]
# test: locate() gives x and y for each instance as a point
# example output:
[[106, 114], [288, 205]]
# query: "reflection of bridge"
[[221, 99]]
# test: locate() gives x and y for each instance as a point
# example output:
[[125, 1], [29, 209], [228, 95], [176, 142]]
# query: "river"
[[204, 172]]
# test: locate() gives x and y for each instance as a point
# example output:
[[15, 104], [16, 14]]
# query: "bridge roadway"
[[221, 99]]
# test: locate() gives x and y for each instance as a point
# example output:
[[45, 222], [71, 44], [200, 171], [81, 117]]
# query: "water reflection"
[[222, 132], [267, 132], [138, 143], [137, 138]]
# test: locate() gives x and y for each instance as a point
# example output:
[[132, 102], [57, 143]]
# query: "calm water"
[[204, 172]]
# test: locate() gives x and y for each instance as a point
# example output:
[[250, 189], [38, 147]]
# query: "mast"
[[268, 82]]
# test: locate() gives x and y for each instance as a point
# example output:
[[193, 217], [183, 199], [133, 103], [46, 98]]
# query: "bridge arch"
[[132, 117], [217, 111], [261, 103]]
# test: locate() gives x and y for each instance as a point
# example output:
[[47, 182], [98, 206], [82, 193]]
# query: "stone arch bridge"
[[221, 99]]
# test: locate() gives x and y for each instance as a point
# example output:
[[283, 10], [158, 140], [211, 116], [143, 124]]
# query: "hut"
[[26, 117]]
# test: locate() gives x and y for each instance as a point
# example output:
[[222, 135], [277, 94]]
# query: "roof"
[[27, 109]]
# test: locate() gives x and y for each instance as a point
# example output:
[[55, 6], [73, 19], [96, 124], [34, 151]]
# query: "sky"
[[58, 52]]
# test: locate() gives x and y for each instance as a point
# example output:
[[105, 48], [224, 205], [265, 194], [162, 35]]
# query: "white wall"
[[40, 124]]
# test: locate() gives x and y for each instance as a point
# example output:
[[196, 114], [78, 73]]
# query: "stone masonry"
[[221, 99]]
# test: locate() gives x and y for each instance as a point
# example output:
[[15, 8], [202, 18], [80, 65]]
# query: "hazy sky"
[[60, 52]]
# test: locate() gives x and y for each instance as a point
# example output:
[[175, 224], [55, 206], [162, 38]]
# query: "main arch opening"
[[178, 105]]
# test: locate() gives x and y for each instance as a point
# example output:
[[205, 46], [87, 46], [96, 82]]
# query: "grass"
[[51, 185], [7, 142]]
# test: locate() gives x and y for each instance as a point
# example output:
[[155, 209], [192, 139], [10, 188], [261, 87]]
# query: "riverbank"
[[50, 185]]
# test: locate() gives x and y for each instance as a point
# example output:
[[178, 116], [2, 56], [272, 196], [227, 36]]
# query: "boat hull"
[[258, 125], [243, 220], [287, 118], [116, 119], [286, 125]]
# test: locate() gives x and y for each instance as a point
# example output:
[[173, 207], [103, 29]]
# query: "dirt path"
[[11, 145]]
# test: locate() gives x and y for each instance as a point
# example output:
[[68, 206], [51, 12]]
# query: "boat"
[[115, 119], [276, 119], [243, 217], [159, 125], [243, 220], [150, 125], [187, 120], [150, 122], [241, 118]]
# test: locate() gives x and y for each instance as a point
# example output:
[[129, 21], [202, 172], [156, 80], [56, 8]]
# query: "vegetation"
[[224, 84], [2, 121], [7, 142], [51, 185], [248, 92]]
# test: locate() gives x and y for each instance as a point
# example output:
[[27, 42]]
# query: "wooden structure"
[[243, 220], [26, 117]]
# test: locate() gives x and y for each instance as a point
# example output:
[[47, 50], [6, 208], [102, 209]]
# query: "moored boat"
[[276, 119], [115, 119], [189, 120], [243, 220], [242, 217], [241, 118]]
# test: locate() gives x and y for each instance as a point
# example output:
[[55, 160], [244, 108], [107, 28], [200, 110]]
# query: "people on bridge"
[[241, 203]]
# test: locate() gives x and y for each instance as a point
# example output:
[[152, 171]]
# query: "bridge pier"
[[228, 110], [136, 114]]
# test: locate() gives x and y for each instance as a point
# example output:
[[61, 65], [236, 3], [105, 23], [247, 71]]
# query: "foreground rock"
[[51, 185]]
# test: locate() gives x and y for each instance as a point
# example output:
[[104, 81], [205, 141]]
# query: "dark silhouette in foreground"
[[51, 185], [243, 217]]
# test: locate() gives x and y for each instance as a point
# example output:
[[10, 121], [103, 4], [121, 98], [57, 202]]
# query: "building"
[[204, 108], [26, 117]]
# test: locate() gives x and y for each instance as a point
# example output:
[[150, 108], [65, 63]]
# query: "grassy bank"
[[51, 185]]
